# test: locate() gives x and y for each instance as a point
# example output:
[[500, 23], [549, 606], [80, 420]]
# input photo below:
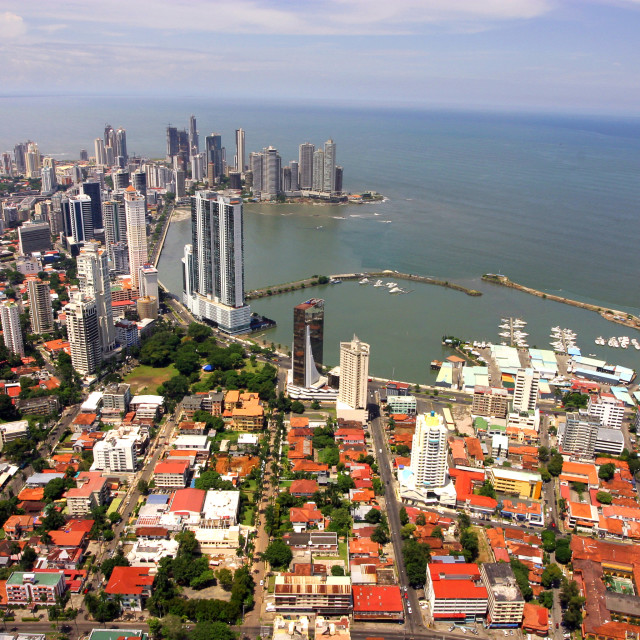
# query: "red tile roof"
[[303, 487], [129, 580], [188, 500], [372, 598], [179, 466]]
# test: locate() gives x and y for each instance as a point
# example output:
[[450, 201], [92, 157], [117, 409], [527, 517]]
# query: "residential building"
[[240, 150], [525, 393], [488, 401], [429, 451], [407, 405], [81, 218], [524, 484], [213, 265], [318, 170], [84, 334], [100, 152], [117, 396], [608, 409], [40, 308], [11, 330], [305, 164], [308, 340], [127, 333], [455, 592], [579, 433], [91, 491], [609, 441], [324, 542], [115, 454], [10, 431], [135, 214], [41, 587], [327, 595], [93, 189], [329, 178], [93, 274], [132, 585], [354, 373], [115, 226], [171, 474], [505, 602], [34, 236]]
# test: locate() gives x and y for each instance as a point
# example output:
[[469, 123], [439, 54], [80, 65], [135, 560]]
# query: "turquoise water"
[[550, 201]]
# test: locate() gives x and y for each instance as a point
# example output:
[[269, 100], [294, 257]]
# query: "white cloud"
[[11, 25]]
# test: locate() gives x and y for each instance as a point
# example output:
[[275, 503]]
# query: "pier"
[[613, 315], [315, 281]]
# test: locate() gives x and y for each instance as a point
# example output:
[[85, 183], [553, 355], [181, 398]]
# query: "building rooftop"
[[502, 582], [47, 578], [375, 598], [129, 580]]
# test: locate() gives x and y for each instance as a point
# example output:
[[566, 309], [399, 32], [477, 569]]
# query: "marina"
[[563, 340], [512, 330]]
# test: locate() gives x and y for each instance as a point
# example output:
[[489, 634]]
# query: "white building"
[[354, 373], [84, 334], [607, 409], [329, 178], [402, 404], [93, 273], [10, 317], [13, 430], [135, 212], [453, 589], [525, 394], [578, 435], [148, 279], [115, 454], [40, 309], [213, 265], [429, 452]]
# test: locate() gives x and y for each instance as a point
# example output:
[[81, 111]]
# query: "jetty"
[[613, 315], [315, 281]]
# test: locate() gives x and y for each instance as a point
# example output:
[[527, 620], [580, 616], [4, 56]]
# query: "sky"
[[548, 55]]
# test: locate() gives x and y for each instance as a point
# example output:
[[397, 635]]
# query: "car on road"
[[452, 627], [261, 583]]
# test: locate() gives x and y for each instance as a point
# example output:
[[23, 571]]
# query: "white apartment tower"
[[93, 273], [10, 316], [318, 170], [40, 307], [329, 185], [101, 152], [135, 213], [525, 394], [354, 373], [115, 455], [240, 150], [429, 451], [305, 165], [84, 334]]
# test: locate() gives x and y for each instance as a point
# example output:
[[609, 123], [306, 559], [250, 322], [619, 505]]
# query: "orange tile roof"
[[85, 419], [129, 580], [179, 466], [36, 494], [67, 538], [571, 470], [298, 421]]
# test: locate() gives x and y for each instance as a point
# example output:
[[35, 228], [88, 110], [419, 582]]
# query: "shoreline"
[[612, 315], [313, 281]]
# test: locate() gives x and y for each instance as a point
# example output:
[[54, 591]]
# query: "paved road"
[[413, 615]]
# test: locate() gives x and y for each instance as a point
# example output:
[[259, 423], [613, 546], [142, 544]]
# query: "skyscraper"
[[115, 224], [139, 182], [120, 180], [109, 136], [579, 434], [121, 144], [93, 273], [81, 218], [272, 172], [34, 236], [197, 167], [354, 373], [94, 191], [525, 393], [305, 164], [308, 340], [318, 170], [213, 265], [429, 451], [214, 154], [329, 166], [194, 143], [10, 316], [295, 185], [172, 143], [339, 174], [84, 334], [135, 213], [19, 155], [240, 150], [40, 308], [256, 163]]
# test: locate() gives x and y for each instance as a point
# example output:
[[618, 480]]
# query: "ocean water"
[[551, 201]]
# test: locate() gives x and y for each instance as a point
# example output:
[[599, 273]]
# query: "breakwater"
[[316, 280], [613, 315]]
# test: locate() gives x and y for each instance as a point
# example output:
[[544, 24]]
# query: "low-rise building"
[[131, 585], [10, 431], [377, 603], [117, 397], [524, 484], [171, 474], [408, 405], [41, 587], [327, 595], [488, 401], [455, 592], [91, 491]]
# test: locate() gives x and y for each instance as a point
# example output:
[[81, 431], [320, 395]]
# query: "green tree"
[[337, 570], [373, 516], [416, 556], [199, 332], [340, 521], [421, 520], [404, 518], [607, 471], [604, 497], [297, 407], [278, 554], [555, 465], [380, 535], [543, 454], [546, 599], [207, 630], [54, 489], [548, 541], [225, 578], [109, 564], [487, 490], [521, 573], [563, 550], [551, 576], [143, 487]]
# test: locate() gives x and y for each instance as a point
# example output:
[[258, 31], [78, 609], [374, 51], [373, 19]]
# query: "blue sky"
[[566, 55]]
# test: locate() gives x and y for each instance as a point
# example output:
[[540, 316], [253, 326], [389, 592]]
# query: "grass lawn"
[[145, 378], [247, 520], [484, 554], [286, 483], [251, 368], [343, 552], [271, 584], [113, 507], [252, 485]]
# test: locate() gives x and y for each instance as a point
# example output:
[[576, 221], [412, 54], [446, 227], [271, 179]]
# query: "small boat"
[[391, 285], [378, 283], [396, 290], [364, 281], [335, 281], [436, 365]]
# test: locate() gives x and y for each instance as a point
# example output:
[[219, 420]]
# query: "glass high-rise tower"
[[308, 341]]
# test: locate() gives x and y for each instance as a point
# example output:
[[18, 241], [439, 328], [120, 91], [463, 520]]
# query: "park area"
[[146, 380]]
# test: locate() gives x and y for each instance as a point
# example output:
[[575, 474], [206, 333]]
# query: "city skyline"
[[538, 54]]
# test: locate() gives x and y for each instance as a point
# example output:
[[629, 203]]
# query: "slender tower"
[[40, 308], [136, 232], [10, 316]]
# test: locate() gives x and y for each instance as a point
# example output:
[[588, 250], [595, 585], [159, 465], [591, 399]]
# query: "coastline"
[[612, 315]]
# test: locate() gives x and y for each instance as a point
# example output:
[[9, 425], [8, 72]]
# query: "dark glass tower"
[[308, 338]]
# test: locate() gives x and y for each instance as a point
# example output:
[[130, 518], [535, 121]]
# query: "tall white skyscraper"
[[10, 316], [197, 167], [84, 334], [256, 163], [93, 273], [329, 166], [101, 153], [214, 263], [240, 150], [40, 308], [429, 451], [305, 165], [121, 144], [318, 170], [48, 174], [525, 393], [135, 212], [271, 172], [354, 373]]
